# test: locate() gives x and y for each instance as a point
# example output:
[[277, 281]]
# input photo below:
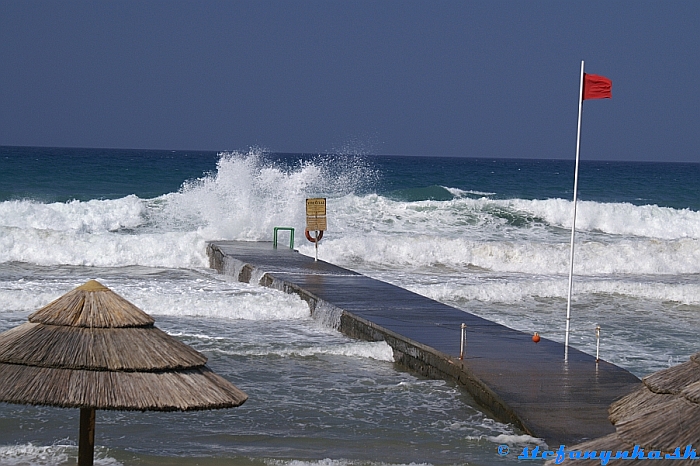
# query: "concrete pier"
[[528, 384]]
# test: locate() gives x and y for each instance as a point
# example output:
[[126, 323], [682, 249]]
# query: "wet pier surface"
[[532, 385]]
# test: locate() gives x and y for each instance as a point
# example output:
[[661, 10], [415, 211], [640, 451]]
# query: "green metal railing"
[[291, 236]]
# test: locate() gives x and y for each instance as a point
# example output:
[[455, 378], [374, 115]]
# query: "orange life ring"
[[313, 240]]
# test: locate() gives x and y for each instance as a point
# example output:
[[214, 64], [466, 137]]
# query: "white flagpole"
[[573, 223]]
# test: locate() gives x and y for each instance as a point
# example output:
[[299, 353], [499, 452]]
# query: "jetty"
[[531, 385]]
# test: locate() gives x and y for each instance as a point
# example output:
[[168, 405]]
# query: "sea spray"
[[249, 195]]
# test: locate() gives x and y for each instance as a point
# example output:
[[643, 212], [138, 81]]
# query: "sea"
[[490, 236]]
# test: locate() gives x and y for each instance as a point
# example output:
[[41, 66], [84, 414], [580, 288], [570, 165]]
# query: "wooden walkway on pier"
[[515, 380]]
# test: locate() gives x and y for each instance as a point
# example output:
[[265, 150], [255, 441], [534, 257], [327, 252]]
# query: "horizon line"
[[267, 151]]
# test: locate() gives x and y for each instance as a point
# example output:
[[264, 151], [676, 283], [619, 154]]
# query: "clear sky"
[[462, 78]]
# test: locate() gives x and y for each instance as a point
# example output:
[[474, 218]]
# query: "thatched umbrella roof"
[[93, 349], [663, 414]]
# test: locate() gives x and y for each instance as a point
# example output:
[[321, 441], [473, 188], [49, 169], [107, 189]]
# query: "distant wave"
[[456, 192], [617, 218], [517, 291], [466, 215], [95, 216], [247, 196], [592, 258], [244, 199], [433, 193], [46, 247]]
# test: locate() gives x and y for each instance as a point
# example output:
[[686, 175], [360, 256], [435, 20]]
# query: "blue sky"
[[459, 78]]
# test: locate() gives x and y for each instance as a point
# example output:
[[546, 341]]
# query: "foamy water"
[[53, 455], [472, 247], [317, 397]]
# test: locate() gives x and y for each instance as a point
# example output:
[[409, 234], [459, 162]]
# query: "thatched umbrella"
[[662, 415], [92, 349]]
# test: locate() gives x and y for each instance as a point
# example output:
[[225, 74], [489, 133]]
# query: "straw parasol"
[[662, 415], [92, 349]]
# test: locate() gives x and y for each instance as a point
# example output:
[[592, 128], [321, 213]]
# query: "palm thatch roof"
[[91, 348], [661, 385], [662, 415]]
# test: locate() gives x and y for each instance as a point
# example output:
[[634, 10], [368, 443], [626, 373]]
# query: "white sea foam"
[[246, 197], [617, 218], [456, 192], [377, 350], [636, 256], [517, 440], [25, 300], [198, 336], [96, 233], [513, 290], [94, 216], [469, 216], [44, 247], [159, 296], [512, 236], [35, 455], [255, 304]]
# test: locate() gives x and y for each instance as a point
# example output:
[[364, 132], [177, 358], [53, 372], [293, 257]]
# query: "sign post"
[[315, 220]]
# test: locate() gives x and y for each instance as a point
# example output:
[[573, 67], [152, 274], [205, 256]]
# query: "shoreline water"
[[486, 236]]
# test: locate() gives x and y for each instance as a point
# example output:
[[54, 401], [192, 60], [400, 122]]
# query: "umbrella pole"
[[86, 442]]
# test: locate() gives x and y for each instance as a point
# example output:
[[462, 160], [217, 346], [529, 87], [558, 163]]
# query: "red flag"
[[596, 87]]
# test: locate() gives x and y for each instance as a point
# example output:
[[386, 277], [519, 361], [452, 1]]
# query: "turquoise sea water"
[[60, 174], [490, 236]]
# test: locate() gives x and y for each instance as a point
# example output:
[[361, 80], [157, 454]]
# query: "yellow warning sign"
[[316, 207], [316, 224], [316, 214]]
